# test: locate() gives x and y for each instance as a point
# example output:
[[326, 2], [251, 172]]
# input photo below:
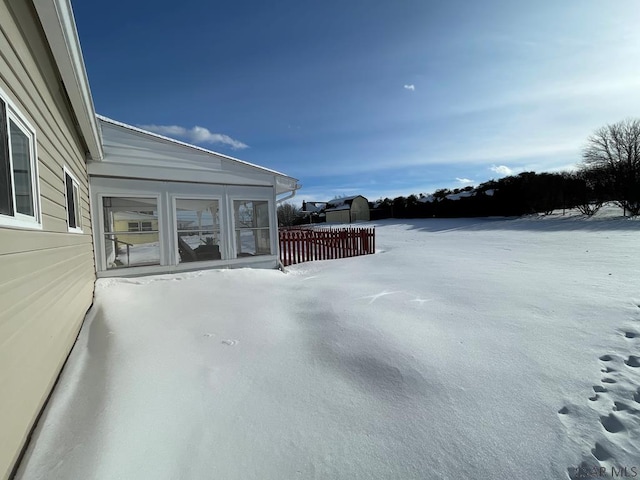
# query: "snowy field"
[[464, 349]]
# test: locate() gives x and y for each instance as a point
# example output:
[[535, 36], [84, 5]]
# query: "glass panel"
[[251, 214], [21, 156], [246, 243], [263, 240], [71, 208], [125, 247], [262, 214], [252, 228], [124, 253], [198, 229], [76, 203]]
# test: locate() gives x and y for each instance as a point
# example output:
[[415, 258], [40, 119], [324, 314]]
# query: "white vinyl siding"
[[47, 273]]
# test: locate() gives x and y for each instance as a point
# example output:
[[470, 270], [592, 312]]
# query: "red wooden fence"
[[308, 244]]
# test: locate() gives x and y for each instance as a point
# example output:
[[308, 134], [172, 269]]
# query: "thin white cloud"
[[501, 170], [411, 87], [465, 181], [196, 134]]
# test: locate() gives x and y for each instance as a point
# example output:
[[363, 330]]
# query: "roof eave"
[[58, 23], [284, 183]]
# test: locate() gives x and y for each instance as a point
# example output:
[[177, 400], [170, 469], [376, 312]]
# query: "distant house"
[[313, 212], [134, 223], [347, 210]]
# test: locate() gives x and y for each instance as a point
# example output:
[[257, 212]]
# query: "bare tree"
[[287, 214], [614, 152]]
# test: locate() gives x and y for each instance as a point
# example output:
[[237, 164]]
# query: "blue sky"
[[372, 97]]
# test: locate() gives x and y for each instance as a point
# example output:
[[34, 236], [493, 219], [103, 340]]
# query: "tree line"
[[609, 172]]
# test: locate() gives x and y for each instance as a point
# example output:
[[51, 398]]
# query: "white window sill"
[[19, 222]]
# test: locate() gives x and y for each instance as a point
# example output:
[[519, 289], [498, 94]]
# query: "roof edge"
[[58, 23], [189, 145]]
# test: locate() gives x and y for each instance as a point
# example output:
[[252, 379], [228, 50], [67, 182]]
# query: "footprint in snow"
[[630, 334], [623, 407], [636, 396], [230, 343], [606, 358], [611, 423], [633, 361], [600, 452]]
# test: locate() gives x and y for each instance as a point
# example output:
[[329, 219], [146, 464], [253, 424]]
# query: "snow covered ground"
[[464, 349]]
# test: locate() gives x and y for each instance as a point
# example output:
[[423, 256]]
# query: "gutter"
[[291, 195], [58, 23]]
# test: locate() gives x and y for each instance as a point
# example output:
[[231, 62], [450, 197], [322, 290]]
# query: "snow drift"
[[463, 349]]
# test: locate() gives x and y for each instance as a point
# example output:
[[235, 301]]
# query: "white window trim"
[[99, 237], [250, 198], [76, 185], [21, 220], [223, 234]]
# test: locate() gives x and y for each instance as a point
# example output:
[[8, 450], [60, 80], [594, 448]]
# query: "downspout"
[[296, 187], [291, 195]]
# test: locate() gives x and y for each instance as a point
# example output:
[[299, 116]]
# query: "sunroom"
[[160, 205]]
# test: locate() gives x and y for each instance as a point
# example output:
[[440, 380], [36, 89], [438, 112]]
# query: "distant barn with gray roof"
[[347, 210]]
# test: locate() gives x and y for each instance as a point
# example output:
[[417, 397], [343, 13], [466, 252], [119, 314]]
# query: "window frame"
[[20, 220], [101, 242], [221, 224], [76, 197], [236, 229]]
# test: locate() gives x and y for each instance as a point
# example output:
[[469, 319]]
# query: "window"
[[19, 201], [198, 229], [131, 236], [252, 228], [72, 194], [141, 226]]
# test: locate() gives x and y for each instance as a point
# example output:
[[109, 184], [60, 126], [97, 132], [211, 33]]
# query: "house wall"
[[338, 216], [359, 210], [123, 225], [46, 275]]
